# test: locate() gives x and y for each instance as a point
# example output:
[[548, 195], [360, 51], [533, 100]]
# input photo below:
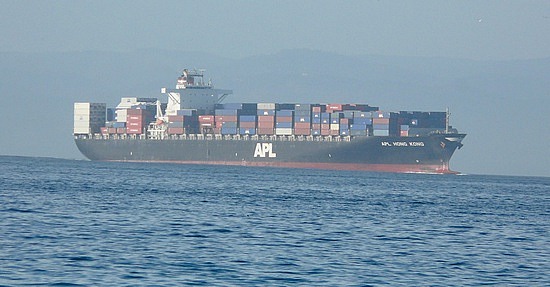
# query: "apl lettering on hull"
[[264, 150]]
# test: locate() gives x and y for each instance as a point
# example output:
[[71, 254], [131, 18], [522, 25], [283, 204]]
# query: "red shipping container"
[[176, 119], [334, 132], [134, 118], [133, 131], [266, 119], [226, 118], [104, 130], [302, 132], [316, 109], [265, 131], [302, 125], [132, 112], [112, 130], [283, 119], [269, 125], [325, 126], [325, 132], [206, 119], [135, 125], [121, 130], [377, 121], [404, 133], [334, 107], [176, 131], [344, 121], [316, 126], [247, 125]]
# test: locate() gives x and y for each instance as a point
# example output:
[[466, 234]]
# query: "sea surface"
[[81, 223]]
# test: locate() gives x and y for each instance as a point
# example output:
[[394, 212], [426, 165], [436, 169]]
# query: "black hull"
[[429, 154]]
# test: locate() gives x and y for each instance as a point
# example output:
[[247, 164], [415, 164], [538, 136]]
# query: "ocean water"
[[81, 223]]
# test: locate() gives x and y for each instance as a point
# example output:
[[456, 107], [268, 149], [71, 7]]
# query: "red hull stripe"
[[401, 168]]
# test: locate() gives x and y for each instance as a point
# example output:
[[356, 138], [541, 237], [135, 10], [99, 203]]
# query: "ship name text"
[[402, 143]]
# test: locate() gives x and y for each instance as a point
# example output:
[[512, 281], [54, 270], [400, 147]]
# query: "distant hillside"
[[503, 106]]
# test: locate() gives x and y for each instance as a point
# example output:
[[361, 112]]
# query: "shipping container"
[[362, 121], [283, 124], [228, 130], [358, 132], [247, 118], [283, 131], [379, 121], [266, 119], [302, 131], [381, 114], [358, 127], [381, 127], [381, 132], [266, 106], [284, 119], [302, 119], [186, 112], [265, 131], [226, 112], [228, 125], [302, 125], [226, 118], [284, 113], [266, 112], [265, 124], [335, 127], [247, 125], [247, 131], [176, 131]]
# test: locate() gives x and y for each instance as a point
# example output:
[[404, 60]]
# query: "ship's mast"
[[447, 115]]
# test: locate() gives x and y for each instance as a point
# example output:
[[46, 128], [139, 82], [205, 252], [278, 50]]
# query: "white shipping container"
[[266, 106], [81, 130], [335, 127], [283, 131]]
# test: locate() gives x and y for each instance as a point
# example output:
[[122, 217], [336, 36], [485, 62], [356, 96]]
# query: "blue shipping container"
[[302, 119], [229, 125], [228, 131], [247, 131], [362, 121], [247, 118], [284, 113], [226, 112], [283, 125], [358, 132], [266, 112], [381, 127], [358, 127]]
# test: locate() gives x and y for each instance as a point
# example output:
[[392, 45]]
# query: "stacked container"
[[266, 118], [136, 121], [381, 123], [283, 122], [89, 117], [247, 124], [226, 120]]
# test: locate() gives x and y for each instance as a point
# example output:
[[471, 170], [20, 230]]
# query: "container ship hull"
[[419, 154]]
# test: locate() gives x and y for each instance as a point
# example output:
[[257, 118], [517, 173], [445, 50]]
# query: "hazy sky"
[[459, 29], [492, 102]]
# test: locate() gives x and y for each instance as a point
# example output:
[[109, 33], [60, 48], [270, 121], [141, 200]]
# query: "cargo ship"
[[194, 126]]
